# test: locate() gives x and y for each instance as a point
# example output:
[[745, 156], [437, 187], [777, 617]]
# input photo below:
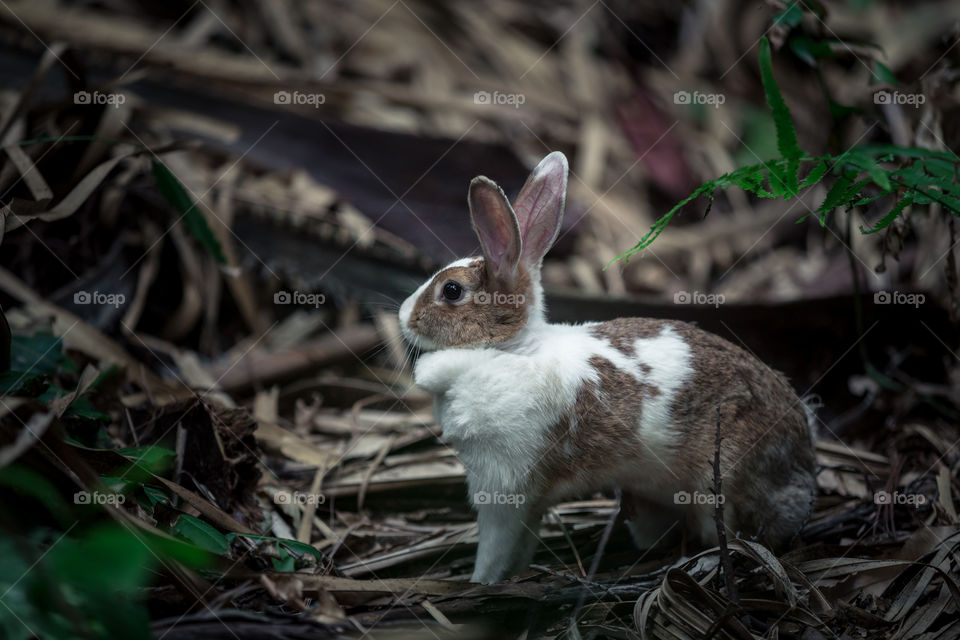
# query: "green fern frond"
[[862, 176], [884, 222]]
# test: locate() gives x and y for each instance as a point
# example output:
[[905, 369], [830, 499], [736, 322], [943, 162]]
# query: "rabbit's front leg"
[[508, 537]]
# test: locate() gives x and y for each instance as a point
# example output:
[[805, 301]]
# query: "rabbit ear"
[[496, 226], [539, 206]]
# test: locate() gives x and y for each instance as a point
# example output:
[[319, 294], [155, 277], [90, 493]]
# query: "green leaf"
[[41, 353], [13, 381], [786, 134], [152, 458], [925, 176], [81, 408], [837, 195], [299, 548], [82, 582], [155, 496], [657, 228], [201, 534], [868, 199], [906, 152], [285, 562], [753, 183], [810, 50], [942, 169], [885, 222], [183, 552], [816, 174], [883, 74], [176, 194], [840, 111], [85, 560], [927, 196], [783, 178], [868, 163], [791, 16], [27, 482]]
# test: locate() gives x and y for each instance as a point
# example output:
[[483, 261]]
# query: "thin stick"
[[596, 562], [566, 536], [725, 562]]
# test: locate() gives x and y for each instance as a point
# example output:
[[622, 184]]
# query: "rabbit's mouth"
[[406, 310], [421, 342]]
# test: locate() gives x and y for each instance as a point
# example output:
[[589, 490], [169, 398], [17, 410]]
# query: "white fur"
[[670, 362], [462, 262], [406, 309], [497, 406]]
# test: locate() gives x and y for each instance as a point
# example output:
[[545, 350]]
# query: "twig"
[[566, 536], [596, 563], [725, 561], [573, 577]]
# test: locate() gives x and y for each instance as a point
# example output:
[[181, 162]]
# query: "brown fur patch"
[[622, 333], [766, 452], [600, 433], [753, 397], [491, 312], [724, 375]]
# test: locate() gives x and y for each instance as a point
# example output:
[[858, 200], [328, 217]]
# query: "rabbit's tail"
[[811, 403]]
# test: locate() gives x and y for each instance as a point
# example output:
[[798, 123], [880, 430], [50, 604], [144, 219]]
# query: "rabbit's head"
[[489, 299]]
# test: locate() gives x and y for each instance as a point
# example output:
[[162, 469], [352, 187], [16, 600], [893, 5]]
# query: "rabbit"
[[541, 413]]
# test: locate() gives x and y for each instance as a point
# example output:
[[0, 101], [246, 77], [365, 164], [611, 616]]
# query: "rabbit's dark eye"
[[452, 291]]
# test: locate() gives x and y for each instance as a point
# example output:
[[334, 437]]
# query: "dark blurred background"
[[230, 199], [330, 144]]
